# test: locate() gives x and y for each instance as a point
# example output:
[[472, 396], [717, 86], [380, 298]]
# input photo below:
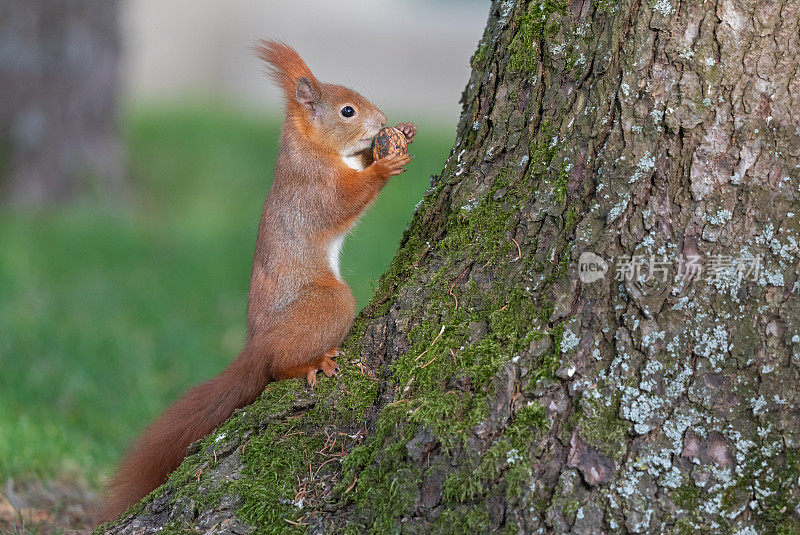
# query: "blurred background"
[[137, 141]]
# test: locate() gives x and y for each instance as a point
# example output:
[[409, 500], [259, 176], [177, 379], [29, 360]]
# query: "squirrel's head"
[[332, 115]]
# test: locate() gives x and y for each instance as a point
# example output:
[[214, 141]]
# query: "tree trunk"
[[502, 387], [58, 73]]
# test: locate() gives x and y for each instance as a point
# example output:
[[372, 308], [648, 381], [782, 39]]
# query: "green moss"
[[774, 506], [374, 476], [607, 6], [601, 426], [462, 485], [551, 359], [279, 458], [522, 434], [571, 221], [529, 417], [279, 450], [430, 402], [543, 164], [687, 496], [684, 526], [560, 187], [509, 457], [469, 138], [776, 476], [410, 251], [479, 230], [270, 497], [569, 507], [466, 520], [535, 26], [412, 247], [480, 55]]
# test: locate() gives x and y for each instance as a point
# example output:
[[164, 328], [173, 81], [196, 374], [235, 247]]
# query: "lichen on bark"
[[488, 388]]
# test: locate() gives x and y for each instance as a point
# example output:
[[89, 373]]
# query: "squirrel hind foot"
[[324, 363]]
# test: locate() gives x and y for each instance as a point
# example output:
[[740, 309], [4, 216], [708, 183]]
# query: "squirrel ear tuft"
[[286, 67], [307, 93]]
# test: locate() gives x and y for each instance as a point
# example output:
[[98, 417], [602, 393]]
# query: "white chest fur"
[[335, 245], [353, 162], [334, 250]]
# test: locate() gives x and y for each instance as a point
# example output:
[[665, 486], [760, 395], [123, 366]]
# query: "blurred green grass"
[[107, 314]]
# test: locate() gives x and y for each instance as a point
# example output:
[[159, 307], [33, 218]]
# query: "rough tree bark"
[[498, 391], [58, 77]]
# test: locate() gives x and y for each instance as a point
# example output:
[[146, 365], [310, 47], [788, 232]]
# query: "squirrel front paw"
[[409, 130], [392, 165]]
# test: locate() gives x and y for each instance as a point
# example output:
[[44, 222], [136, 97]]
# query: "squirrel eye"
[[348, 111]]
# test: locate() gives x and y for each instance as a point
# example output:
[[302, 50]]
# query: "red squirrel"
[[299, 308]]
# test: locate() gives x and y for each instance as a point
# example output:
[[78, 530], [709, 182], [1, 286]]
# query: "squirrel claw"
[[311, 377], [409, 130], [393, 164], [325, 364], [328, 366]]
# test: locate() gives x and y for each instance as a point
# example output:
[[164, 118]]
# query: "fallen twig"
[[323, 464], [519, 251], [434, 358], [430, 346]]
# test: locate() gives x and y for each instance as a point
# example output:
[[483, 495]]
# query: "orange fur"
[[299, 310], [284, 64]]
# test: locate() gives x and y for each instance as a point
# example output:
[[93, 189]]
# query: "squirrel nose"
[[382, 119]]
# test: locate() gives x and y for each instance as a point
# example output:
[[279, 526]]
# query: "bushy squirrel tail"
[[162, 446]]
